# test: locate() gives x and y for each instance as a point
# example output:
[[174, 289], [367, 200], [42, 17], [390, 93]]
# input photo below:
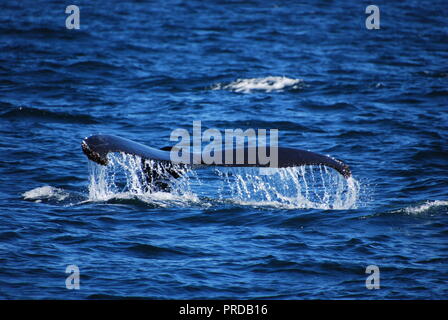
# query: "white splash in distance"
[[45, 193], [306, 187], [267, 84]]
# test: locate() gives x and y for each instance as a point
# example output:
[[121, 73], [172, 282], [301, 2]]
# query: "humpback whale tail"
[[97, 147]]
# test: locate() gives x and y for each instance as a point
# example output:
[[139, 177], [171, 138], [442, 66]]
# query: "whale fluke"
[[97, 147]]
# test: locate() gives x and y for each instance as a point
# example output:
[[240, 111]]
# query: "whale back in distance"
[[97, 147]]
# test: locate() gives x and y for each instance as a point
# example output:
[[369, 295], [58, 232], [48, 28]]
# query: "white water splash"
[[124, 178], [304, 187], [45, 193], [425, 207], [267, 84]]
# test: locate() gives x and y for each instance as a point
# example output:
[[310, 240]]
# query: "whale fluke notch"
[[97, 147]]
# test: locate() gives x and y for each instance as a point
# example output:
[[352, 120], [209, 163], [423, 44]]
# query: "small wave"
[[320, 105], [39, 31], [356, 134], [433, 74], [437, 93], [45, 193], [49, 116], [91, 65], [267, 84], [147, 250], [424, 208]]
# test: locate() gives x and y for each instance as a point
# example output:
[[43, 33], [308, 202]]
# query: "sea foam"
[[45, 193], [267, 84], [425, 207]]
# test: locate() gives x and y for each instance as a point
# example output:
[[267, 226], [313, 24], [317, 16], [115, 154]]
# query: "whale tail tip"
[[93, 155]]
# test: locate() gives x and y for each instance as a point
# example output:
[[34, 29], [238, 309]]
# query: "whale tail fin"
[[97, 147]]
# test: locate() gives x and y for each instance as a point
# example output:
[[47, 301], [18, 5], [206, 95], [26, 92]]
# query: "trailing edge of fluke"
[[96, 148]]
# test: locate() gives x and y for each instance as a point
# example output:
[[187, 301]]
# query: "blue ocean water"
[[377, 99]]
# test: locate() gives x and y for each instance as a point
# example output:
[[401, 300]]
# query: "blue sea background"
[[378, 99]]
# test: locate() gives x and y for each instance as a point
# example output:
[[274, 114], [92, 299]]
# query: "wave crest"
[[45, 193], [267, 84], [425, 207]]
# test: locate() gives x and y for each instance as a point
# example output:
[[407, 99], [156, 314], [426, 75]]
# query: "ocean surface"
[[377, 99]]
